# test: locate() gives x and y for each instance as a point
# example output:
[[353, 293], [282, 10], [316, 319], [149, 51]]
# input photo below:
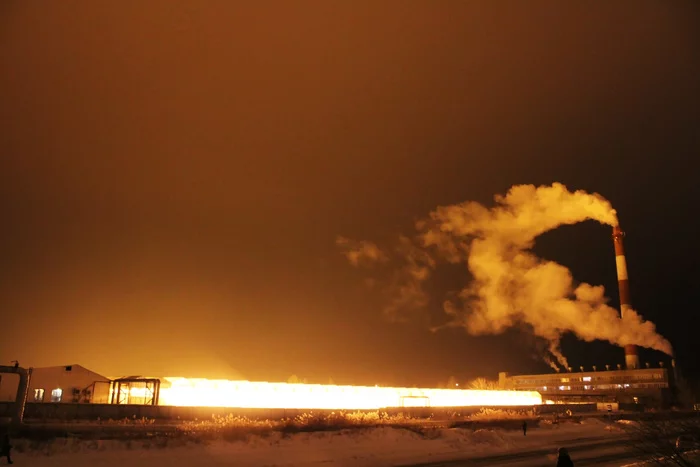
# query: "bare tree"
[[483, 384], [655, 441]]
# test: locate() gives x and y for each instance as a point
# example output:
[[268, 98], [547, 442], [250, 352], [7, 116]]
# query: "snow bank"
[[369, 447], [692, 456], [629, 423], [594, 422]]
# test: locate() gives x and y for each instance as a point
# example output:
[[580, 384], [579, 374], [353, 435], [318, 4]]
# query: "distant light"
[[56, 395]]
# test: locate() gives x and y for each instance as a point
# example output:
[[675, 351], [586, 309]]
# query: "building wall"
[[647, 385], [8, 387], [59, 384], [649, 377]]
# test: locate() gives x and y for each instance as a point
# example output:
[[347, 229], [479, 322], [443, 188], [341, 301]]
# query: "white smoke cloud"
[[553, 365], [407, 291], [361, 253], [511, 286]]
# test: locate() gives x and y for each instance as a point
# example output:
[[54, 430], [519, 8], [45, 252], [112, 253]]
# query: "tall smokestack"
[[631, 355]]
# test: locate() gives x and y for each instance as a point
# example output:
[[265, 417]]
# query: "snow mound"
[[628, 423], [358, 447], [593, 422]]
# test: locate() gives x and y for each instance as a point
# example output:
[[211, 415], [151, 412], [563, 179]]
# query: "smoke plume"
[[511, 286], [360, 253], [553, 365]]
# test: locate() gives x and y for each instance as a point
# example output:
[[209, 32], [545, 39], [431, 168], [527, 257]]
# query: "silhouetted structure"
[[647, 386], [135, 390], [60, 384]]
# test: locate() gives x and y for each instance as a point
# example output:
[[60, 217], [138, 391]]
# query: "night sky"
[[174, 174]]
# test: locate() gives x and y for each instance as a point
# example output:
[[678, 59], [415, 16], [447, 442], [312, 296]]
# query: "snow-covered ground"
[[358, 447], [693, 456]]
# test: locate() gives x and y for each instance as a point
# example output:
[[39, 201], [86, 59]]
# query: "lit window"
[[56, 395], [586, 378], [38, 395]]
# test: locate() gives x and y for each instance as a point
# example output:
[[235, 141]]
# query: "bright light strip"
[[140, 392], [189, 392]]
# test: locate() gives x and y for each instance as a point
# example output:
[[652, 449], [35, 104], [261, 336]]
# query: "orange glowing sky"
[[174, 173]]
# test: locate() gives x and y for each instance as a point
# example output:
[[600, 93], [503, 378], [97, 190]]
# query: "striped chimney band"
[[631, 354]]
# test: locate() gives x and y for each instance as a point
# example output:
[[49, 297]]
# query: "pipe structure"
[[631, 353], [25, 376]]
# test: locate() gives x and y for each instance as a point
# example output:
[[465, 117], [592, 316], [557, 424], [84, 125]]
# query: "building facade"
[[60, 384], [648, 386]]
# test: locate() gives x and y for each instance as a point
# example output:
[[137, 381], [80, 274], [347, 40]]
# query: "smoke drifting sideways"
[[511, 286], [361, 253]]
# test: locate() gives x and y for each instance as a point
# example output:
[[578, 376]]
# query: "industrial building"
[[75, 385], [649, 387], [59, 384], [633, 384]]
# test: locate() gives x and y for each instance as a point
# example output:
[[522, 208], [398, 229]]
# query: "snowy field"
[[380, 446]]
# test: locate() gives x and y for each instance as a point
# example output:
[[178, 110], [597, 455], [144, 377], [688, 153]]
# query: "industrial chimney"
[[631, 355]]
